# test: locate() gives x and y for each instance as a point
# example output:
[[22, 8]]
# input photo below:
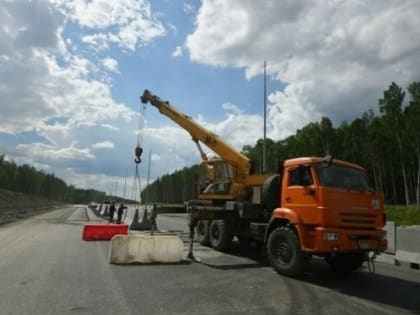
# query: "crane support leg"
[[191, 245]]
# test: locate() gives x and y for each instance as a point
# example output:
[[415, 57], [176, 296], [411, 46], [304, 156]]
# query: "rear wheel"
[[218, 235], [283, 251], [203, 232], [346, 262]]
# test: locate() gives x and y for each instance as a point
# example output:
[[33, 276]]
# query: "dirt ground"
[[17, 206]]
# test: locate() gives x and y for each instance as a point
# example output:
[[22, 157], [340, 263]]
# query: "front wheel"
[[283, 251]]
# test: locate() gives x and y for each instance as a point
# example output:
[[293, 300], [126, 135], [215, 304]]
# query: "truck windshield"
[[339, 176]]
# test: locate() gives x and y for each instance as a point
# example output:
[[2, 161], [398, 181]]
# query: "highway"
[[46, 268]]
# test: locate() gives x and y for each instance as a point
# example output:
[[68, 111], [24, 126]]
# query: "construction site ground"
[[46, 268]]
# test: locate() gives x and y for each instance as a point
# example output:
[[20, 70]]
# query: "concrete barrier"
[[391, 235], [129, 214], [403, 246], [126, 249], [102, 232], [105, 211], [409, 258]]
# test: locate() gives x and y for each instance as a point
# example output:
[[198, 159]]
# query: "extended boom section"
[[201, 134]]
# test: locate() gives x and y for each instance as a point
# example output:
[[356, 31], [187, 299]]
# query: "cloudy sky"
[[71, 72]]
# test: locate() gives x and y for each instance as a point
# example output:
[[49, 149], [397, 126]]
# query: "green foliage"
[[403, 215], [26, 179], [175, 188]]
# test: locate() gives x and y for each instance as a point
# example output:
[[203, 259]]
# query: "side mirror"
[[327, 161]]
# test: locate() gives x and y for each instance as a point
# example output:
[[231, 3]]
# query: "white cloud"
[[50, 152], [99, 41], [237, 129], [127, 23], [232, 108], [177, 52], [173, 28], [155, 158], [189, 8], [108, 126], [285, 113], [336, 57], [104, 145], [110, 64], [111, 185], [57, 95], [43, 82]]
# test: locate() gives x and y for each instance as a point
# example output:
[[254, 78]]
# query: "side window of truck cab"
[[300, 176]]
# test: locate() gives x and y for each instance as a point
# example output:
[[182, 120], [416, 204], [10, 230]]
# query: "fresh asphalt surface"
[[46, 268]]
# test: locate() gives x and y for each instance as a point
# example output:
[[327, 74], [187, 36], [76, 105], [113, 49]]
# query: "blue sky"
[[71, 73]]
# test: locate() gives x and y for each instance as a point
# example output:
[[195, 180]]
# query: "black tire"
[[346, 262], [218, 235], [283, 252], [203, 232]]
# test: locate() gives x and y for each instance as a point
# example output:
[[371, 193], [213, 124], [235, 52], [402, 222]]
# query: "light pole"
[[264, 162]]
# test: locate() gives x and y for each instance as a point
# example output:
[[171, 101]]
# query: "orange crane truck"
[[312, 206]]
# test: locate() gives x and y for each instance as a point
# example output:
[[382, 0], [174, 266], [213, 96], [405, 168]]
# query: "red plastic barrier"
[[103, 232]]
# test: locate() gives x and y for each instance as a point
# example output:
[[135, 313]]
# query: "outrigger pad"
[[126, 249], [103, 232], [144, 224]]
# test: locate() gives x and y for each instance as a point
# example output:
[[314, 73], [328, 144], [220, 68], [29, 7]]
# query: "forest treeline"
[[387, 145], [26, 179]]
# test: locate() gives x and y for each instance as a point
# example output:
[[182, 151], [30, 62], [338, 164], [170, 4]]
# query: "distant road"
[[45, 268]]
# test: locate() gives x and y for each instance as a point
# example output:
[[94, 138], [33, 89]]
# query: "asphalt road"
[[45, 268]]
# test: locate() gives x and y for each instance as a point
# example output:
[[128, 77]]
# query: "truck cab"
[[332, 210]]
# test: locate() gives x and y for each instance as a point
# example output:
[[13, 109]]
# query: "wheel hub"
[[216, 234], [284, 252]]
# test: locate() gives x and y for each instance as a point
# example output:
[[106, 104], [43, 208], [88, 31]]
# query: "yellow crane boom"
[[200, 134]]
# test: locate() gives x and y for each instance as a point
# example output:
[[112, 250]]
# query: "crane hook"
[[138, 152]]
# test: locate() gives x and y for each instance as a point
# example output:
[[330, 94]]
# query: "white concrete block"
[[126, 249], [391, 235], [409, 257], [386, 259]]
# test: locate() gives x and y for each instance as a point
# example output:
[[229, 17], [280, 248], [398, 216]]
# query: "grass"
[[16, 206], [7, 196], [403, 215], [11, 202]]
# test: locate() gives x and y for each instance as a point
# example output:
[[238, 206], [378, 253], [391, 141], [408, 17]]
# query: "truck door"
[[300, 193]]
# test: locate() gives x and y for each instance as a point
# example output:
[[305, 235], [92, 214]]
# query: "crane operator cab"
[[216, 177]]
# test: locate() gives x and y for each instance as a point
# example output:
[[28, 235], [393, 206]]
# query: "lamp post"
[[264, 162]]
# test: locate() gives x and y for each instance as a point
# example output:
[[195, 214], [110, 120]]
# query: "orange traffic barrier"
[[103, 232]]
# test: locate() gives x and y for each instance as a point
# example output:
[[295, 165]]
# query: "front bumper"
[[349, 240]]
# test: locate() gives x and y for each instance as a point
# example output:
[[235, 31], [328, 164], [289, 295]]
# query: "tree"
[[412, 116], [391, 107]]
